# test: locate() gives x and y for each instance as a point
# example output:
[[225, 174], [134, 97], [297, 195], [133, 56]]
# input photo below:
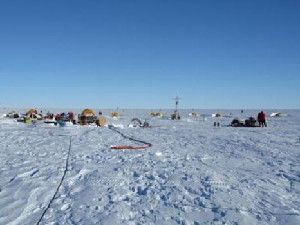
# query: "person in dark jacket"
[[261, 118]]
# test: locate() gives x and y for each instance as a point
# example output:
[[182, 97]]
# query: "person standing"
[[261, 117]]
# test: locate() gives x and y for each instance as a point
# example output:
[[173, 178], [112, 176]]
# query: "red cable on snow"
[[129, 147]]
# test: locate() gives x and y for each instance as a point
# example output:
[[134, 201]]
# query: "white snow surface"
[[193, 174]]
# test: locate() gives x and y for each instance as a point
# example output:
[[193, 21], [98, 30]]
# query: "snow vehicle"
[[237, 123], [62, 123], [12, 115], [250, 122], [87, 116], [49, 116], [50, 121], [66, 117]]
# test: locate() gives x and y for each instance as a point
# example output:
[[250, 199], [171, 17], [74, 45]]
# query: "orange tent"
[[31, 112], [88, 113], [115, 114], [101, 121]]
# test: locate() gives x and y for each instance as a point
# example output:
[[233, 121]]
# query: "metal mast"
[[176, 102]]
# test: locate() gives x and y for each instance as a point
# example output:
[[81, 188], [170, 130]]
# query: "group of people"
[[260, 121], [261, 118]]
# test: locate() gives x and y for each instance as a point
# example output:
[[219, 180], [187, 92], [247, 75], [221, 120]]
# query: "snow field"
[[193, 174]]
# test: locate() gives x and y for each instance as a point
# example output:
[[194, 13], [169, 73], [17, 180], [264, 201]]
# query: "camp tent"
[[87, 116], [193, 114], [276, 114], [156, 114], [101, 121], [115, 114], [88, 112], [217, 115], [175, 116], [31, 112], [135, 122]]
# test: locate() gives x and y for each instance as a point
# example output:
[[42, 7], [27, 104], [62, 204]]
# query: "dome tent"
[[135, 122], [101, 121], [277, 114], [115, 114], [217, 114], [31, 112], [156, 114], [88, 112], [87, 116], [175, 115], [193, 114]]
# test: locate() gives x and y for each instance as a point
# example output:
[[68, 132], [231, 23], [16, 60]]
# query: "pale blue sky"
[[140, 54]]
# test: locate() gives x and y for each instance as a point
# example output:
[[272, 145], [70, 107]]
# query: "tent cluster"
[[174, 116], [30, 116], [221, 115], [87, 116]]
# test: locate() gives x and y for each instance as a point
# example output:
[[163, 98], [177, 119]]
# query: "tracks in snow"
[[59, 185], [67, 165]]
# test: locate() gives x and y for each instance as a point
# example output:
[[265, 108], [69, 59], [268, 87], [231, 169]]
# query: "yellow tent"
[[101, 121], [193, 114], [156, 114], [115, 114], [87, 113], [31, 112]]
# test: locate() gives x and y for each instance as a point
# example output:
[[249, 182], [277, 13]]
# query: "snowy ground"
[[193, 174]]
